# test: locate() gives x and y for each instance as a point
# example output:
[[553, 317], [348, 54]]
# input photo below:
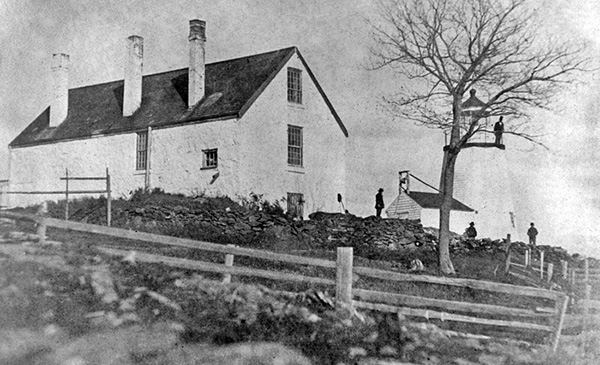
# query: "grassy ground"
[[48, 305], [58, 305]]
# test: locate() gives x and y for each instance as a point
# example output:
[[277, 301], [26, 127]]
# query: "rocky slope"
[[66, 304]]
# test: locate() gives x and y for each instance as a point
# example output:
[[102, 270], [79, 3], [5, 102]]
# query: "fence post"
[[41, 223], [565, 268], [586, 300], [228, 262], [66, 194], [573, 276], [343, 283], [541, 264], [527, 258], [508, 254], [562, 307], [586, 270], [550, 272], [108, 199]]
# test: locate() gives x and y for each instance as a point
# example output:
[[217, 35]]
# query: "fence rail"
[[68, 192], [345, 278], [3, 188], [217, 268], [583, 282]]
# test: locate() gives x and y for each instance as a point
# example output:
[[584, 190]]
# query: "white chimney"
[[60, 78], [197, 41], [132, 93]]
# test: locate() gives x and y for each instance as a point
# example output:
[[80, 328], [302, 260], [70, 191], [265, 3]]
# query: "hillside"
[[64, 302], [253, 222]]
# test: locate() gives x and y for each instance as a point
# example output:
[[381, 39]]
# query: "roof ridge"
[[97, 109], [185, 68], [253, 55]]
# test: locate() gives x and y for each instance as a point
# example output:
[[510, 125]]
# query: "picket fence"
[[547, 320]]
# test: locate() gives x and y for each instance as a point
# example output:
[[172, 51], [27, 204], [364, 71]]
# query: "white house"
[[260, 123], [425, 207]]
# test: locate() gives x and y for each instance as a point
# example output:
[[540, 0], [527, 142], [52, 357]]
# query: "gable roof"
[[232, 86], [434, 201]]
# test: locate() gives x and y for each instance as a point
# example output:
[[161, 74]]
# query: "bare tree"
[[445, 48]]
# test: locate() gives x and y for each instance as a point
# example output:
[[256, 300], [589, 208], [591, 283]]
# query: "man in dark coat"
[[471, 231], [532, 232], [498, 129], [379, 202]]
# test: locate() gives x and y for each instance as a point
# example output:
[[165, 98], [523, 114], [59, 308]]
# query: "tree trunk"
[[447, 189]]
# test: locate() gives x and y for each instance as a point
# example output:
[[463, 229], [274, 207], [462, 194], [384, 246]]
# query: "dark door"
[[295, 205]]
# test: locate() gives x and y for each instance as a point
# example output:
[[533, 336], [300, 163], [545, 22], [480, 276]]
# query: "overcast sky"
[[558, 189]]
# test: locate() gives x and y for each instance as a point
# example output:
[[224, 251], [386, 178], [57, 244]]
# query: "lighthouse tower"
[[483, 179]]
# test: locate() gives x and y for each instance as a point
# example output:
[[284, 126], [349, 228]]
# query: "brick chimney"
[[132, 93], [60, 98], [196, 75]]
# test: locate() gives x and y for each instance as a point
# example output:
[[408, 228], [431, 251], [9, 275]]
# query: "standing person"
[[498, 129], [379, 202], [532, 232], [471, 231]]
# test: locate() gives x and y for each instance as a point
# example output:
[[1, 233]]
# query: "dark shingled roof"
[[231, 88], [434, 201]]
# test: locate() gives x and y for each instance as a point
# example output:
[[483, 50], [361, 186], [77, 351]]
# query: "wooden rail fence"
[[68, 192], [584, 282], [526, 268], [547, 319], [3, 190]]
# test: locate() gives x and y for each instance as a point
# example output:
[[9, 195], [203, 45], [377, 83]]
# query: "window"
[[294, 145], [210, 159], [294, 85], [141, 156]]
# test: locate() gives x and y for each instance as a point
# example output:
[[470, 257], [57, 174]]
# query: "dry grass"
[[476, 264]]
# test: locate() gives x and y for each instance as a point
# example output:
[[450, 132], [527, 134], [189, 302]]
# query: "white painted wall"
[[403, 207], [323, 175], [252, 155], [459, 220], [39, 168], [177, 157]]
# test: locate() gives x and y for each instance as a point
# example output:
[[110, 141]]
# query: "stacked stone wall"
[[322, 229]]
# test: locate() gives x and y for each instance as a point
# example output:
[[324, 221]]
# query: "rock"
[[241, 226], [487, 359], [416, 266], [150, 224], [103, 284], [327, 228], [356, 351], [137, 221], [374, 361], [239, 354], [461, 361], [388, 351]]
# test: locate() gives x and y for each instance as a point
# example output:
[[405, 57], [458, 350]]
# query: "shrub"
[[255, 203]]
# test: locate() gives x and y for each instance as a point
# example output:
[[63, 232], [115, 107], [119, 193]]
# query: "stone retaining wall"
[[324, 229]]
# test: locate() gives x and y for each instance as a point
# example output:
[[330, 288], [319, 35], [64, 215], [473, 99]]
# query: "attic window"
[[210, 159], [141, 156], [295, 146], [294, 85]]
